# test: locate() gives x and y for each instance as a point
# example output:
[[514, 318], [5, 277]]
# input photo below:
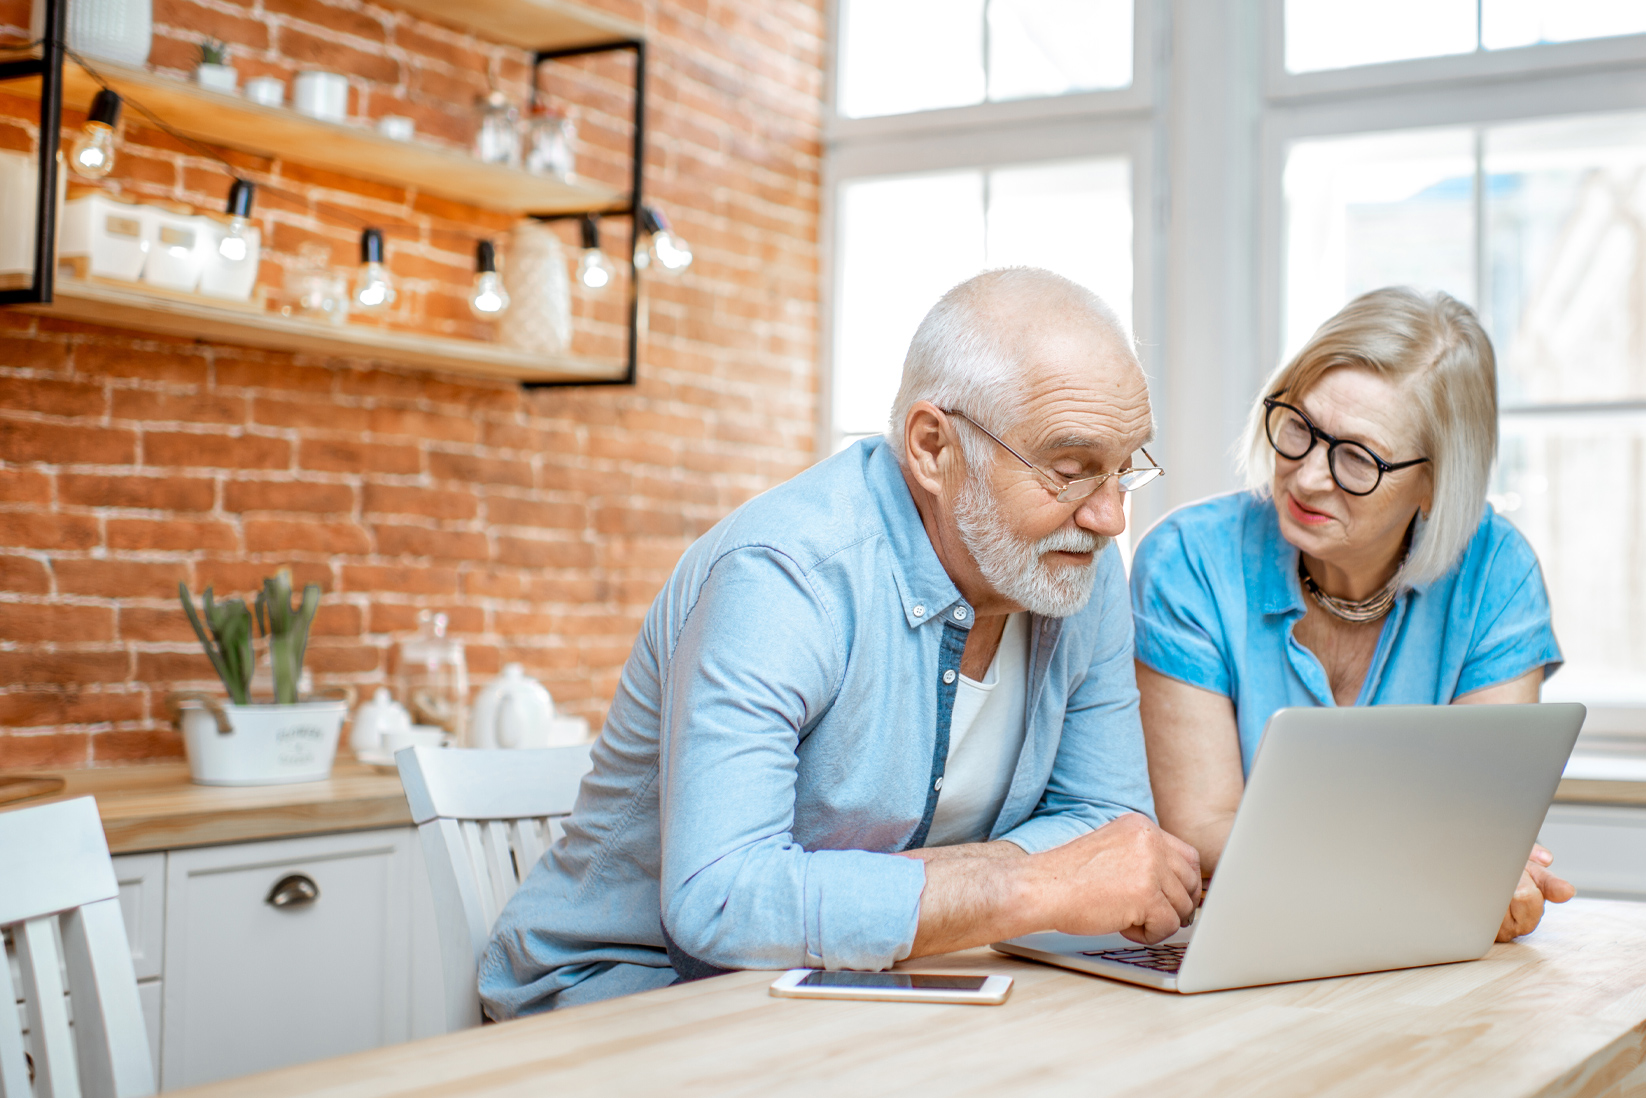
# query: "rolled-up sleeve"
[[1514, 633], [1100, 771], [757, 661], [1177, 617]]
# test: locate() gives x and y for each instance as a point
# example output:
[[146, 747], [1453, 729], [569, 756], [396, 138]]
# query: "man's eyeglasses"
[[1071, 491], [1354, 468]]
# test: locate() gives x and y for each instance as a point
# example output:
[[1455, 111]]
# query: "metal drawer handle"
[[297, 890]]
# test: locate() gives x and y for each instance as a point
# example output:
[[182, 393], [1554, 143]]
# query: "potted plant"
[[214, 70], [247, 741]]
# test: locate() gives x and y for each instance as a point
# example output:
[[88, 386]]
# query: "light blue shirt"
[[1216, 594], [780, 729]]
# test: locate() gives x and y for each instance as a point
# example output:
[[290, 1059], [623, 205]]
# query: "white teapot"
[[514, 710], [376, 719]]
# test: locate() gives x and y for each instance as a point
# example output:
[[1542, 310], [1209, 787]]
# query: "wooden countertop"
[[156, 807], [1559, 1013]]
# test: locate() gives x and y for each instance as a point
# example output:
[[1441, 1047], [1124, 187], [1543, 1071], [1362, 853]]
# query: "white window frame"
[[1486, 87], [982, 136]]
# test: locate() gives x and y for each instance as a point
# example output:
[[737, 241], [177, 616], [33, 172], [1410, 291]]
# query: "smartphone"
[[895, 987]]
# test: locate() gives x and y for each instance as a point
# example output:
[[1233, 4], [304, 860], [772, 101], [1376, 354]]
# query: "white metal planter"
[[265, 744]]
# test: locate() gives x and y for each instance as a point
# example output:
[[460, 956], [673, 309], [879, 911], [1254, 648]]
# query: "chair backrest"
[[57, 883], [485, 818]]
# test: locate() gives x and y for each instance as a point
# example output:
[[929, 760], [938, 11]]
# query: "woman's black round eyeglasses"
[[1356, 469]]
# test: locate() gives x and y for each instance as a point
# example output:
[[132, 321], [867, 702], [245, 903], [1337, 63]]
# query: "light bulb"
[[233, 245], [594, 270], [672, 254], [93, 152], [488, 298], [373, 289]]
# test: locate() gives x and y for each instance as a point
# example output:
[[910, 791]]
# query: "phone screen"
[[915, 980]]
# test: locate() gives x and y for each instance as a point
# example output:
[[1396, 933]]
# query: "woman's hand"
[[1536, 886]]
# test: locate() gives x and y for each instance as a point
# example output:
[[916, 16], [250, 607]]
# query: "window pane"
[[1506, 23], [1575, 485], [1052, 47], [1334, 34], [1074, 218], [909, 55], [1566, 232], [903, 243], [1382, 210]]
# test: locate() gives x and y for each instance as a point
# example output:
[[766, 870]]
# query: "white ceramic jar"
[[323, 95], [514, 710], [376, 720], [178, 252], [112, 238]]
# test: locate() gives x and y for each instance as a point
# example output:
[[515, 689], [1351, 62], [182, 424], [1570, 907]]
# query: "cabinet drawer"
[[142, 879], [251, 986], [1600, 849]]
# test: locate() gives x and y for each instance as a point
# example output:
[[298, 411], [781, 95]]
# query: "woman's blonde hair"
[[1433, 348]]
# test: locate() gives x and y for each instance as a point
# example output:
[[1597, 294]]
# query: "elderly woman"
[[1361, 568]]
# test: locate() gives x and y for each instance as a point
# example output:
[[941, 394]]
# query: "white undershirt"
[[985, 740]]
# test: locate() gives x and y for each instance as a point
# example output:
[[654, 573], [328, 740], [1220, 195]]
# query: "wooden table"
[[156, 807], [1559, 1013]]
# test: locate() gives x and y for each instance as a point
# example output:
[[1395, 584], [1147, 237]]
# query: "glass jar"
[[432, 679], [498, 141], [549, 144], [319, 292]]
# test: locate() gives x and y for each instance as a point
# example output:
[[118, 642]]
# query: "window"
[[1335, 34], [902, 56], [1541, 227], [905, 240]]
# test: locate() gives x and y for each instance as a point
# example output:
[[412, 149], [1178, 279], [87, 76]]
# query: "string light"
[[373, 289], [594, 270], [233, 245], [488, 299], [671, 254], [93, 152]]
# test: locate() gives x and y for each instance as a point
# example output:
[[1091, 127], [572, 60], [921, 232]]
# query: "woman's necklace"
[[1367, 609]]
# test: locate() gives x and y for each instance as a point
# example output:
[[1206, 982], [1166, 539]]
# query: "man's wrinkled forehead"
[[1082, 387]]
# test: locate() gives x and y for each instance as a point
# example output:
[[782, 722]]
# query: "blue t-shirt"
[[1215, 594]]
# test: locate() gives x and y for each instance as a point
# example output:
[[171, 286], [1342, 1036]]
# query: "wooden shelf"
[[238, 123], [529, 24], [134, 306]]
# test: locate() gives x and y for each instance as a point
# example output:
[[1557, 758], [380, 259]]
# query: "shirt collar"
[[1278, 589], [924, 587]]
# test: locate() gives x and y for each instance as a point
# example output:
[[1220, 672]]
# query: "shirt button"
[[959, 613], [918, 611], [948, 676], [937, 786]]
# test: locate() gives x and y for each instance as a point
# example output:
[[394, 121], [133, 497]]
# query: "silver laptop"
[[1369, 838]]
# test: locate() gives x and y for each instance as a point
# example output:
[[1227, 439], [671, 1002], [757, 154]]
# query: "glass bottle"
[[498, 141], [549, 140], [433, 679]]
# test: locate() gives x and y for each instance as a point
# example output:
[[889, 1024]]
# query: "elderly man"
[[878, 712]]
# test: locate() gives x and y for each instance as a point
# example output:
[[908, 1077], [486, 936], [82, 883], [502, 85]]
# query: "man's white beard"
[[1016, 568]]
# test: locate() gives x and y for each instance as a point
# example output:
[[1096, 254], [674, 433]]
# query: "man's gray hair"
[[961, 357], [1433, 348]]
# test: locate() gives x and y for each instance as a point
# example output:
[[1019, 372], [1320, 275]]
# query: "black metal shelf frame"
[[49, 68]]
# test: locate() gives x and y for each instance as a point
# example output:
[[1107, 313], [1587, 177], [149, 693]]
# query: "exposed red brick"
[[225, 451], [358, 457], [120, 579], [420, 541], [32, 708], [23, 623], [62, 444], [170, 534], [267, 495], [31, 530], [270, 536], [154, 493], [23, 575]]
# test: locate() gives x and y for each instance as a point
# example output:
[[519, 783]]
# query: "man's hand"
[[1537, 885], [1127, 876]]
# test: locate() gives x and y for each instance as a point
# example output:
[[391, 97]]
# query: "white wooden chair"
[[485, 818], [57, 883]]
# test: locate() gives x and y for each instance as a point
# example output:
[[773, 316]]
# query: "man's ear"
[[927, 445]]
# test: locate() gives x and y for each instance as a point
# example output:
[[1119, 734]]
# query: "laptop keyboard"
[[1160, 958]]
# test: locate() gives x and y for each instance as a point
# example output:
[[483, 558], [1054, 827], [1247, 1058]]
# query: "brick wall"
[[542, 523]]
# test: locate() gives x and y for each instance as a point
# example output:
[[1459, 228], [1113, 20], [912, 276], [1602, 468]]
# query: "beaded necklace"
[[1367, 609]]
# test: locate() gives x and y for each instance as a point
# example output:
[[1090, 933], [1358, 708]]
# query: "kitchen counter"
[[156, 807]]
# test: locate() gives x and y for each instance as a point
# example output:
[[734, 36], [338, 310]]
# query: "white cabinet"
[[258, 976], [1599, 848], [142, 880]]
